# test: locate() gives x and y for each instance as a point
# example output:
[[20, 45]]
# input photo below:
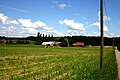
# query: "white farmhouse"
[[48, 44]]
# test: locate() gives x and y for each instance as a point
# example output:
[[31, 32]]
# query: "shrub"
[[63, 44], [118, 47]]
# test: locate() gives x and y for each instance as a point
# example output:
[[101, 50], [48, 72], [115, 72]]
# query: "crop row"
[[28, 63]]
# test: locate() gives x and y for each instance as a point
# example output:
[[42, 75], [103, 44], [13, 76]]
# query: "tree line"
[[65, 41]]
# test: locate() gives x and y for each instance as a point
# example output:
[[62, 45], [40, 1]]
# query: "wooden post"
[[102, 35]]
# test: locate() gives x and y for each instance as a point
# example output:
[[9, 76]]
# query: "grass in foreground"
[[29, 62]]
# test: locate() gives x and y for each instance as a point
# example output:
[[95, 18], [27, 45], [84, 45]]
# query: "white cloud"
[[54, 2], [105, 28], [98, 15], [70, 24], [105, 18], [62, 6], [26, 23], [29, 31], [75, 32], [40, 24], [14, 22], [56, 33], [33, 27], [85, 20], [26, 27], [45, 28], [9, 31], [95, 33], [5, 19], [97, 24]]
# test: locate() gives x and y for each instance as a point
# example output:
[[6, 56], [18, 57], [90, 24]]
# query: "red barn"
[[81, 44]]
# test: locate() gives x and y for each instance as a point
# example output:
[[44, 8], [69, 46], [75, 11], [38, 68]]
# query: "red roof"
[[79, 44]]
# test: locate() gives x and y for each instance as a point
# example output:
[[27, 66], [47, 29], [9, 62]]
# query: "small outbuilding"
[[48, 44], [51, 43], [57, 43], [80, 44], [3, 41]]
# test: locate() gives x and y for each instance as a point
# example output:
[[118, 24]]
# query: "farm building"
[[57, 43], [80, 44], [48, 44], [51, 43], [3, 41]]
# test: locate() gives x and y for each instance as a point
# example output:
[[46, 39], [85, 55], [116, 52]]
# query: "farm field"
[[31, 62]]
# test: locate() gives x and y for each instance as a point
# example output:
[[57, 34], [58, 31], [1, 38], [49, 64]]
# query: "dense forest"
[[37, 40]]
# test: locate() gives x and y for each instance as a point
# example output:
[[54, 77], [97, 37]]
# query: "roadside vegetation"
[[29, 62]]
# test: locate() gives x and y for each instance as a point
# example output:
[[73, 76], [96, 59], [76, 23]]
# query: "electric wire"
[[108, 24]]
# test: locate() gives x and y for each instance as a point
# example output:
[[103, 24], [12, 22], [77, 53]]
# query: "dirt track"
[[118, 61]]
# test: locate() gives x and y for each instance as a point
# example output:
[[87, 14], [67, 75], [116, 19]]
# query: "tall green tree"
[[67, 42], [39, 41], [64, 42], [38, 35]]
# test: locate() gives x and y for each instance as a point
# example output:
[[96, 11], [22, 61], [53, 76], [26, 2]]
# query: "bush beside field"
[[118, 47], [29, 62]]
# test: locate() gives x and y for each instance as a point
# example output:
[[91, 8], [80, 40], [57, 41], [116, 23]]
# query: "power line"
[[108, 24]]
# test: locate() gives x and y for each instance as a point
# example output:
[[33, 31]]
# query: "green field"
[[31, 62]]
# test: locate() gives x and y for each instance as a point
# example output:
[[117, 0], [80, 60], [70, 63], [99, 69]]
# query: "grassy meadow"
[[33, 62]]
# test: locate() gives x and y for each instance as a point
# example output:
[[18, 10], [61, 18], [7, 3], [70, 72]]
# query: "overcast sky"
[[22, 18]]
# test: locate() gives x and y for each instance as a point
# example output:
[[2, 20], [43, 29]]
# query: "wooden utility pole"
[[102, 35], [113, 43]]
